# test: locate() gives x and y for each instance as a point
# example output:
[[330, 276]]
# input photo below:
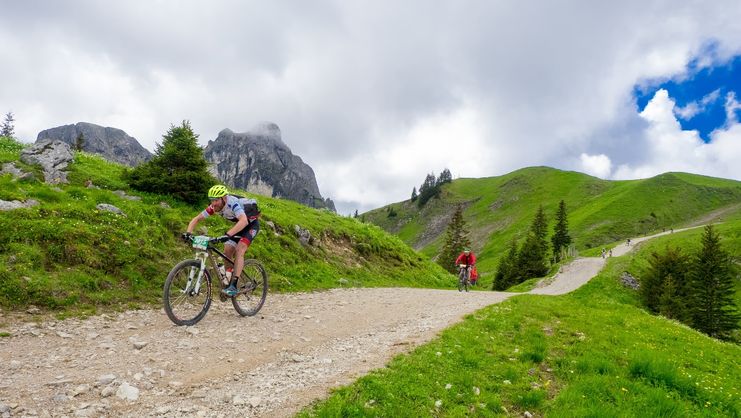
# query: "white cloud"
[[372, 95], [693, 108], [596, 165], [732, 106], [669, 148]]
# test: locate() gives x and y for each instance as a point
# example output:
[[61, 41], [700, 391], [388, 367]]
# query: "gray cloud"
[[373, 95]]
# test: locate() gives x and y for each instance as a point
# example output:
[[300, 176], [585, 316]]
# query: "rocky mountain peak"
[[112, 143], [260, 162]]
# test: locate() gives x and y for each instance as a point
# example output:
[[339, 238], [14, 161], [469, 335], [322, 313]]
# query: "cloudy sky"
[[376, 94]]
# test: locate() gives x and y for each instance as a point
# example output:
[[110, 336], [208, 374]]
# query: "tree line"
[[695, 288], [430, 187], [531, 259]]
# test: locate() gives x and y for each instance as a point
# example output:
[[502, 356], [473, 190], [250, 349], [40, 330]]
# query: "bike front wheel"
[[462, 281], [184, 304], [252, 288]]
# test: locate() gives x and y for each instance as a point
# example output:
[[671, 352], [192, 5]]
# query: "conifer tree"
[[456, 240], [507, 274], [178, 167], [8, 128], [561, 238], [669, 263], [80, 142], [671, 305], [445, 177], [428, 190], [531, 259], [414, 194], [714, 311]]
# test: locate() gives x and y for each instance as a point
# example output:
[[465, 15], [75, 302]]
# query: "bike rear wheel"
[[252, 288], [183, 305]]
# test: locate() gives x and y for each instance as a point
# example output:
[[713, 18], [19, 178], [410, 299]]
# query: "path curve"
[[270, 365]]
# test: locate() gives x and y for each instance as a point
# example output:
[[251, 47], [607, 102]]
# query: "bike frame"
[[202, 256]]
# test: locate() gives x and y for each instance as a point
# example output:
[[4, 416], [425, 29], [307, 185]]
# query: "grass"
[[593, 352], [67, 256], [600, 212]]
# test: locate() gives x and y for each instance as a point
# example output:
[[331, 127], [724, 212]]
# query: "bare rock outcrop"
[[53, 156]]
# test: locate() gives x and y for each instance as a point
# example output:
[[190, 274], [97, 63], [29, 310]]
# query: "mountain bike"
[[187, 292], [463, 282]]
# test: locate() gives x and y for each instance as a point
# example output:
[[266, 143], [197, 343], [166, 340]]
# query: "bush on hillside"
[[178, 168]]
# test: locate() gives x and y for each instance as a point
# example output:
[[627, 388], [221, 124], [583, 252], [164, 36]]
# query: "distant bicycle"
[[187, 292], [463, 274]]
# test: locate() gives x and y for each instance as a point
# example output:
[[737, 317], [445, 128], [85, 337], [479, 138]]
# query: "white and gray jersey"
[[235, 206]]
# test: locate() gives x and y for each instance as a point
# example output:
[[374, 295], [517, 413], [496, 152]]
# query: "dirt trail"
[[294, 351]]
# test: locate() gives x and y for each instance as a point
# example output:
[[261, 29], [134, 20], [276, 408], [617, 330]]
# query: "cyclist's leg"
[[229, 249], [245, 240]]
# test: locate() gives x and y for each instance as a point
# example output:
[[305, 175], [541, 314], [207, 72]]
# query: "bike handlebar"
[[188, 237]]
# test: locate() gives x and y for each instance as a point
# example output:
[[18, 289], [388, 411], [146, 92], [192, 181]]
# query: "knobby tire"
[[175, 284]]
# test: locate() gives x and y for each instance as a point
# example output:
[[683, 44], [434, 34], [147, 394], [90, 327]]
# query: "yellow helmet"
[[217, 191]]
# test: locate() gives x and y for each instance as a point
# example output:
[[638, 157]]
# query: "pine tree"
[[178, 167], [507, 274], [714, 311], [669, 263], [8, 128], [456, 240], [532, 259], [445, 177], [80, 142], [414, 194], [427, 190], [540, 225], [670, 304], [561, 238]]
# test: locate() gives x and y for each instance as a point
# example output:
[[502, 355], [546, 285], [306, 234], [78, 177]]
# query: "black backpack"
[[250, 209]]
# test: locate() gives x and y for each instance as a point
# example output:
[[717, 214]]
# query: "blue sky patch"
[[699, 97]]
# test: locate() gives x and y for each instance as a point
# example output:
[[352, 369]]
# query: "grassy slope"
[[593, 352], [600, 211], [66, 254]]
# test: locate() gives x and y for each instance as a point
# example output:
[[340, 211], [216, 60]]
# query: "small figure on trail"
[[468, 258], [604, 253], [244, 213], [610, 252], [627, 242]]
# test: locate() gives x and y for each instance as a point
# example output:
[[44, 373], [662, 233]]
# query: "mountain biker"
[[468, 258], [241, 210]]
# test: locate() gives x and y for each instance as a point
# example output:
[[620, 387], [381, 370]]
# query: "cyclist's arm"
[[194, 222], [242, 222]]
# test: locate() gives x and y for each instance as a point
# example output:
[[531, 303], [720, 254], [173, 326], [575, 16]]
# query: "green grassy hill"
[[66, 254], [600, 211], [592, 353]]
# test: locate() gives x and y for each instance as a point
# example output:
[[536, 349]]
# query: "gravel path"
[[300, 345]]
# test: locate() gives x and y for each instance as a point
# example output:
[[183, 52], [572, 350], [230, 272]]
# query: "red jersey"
[[468, 260]]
